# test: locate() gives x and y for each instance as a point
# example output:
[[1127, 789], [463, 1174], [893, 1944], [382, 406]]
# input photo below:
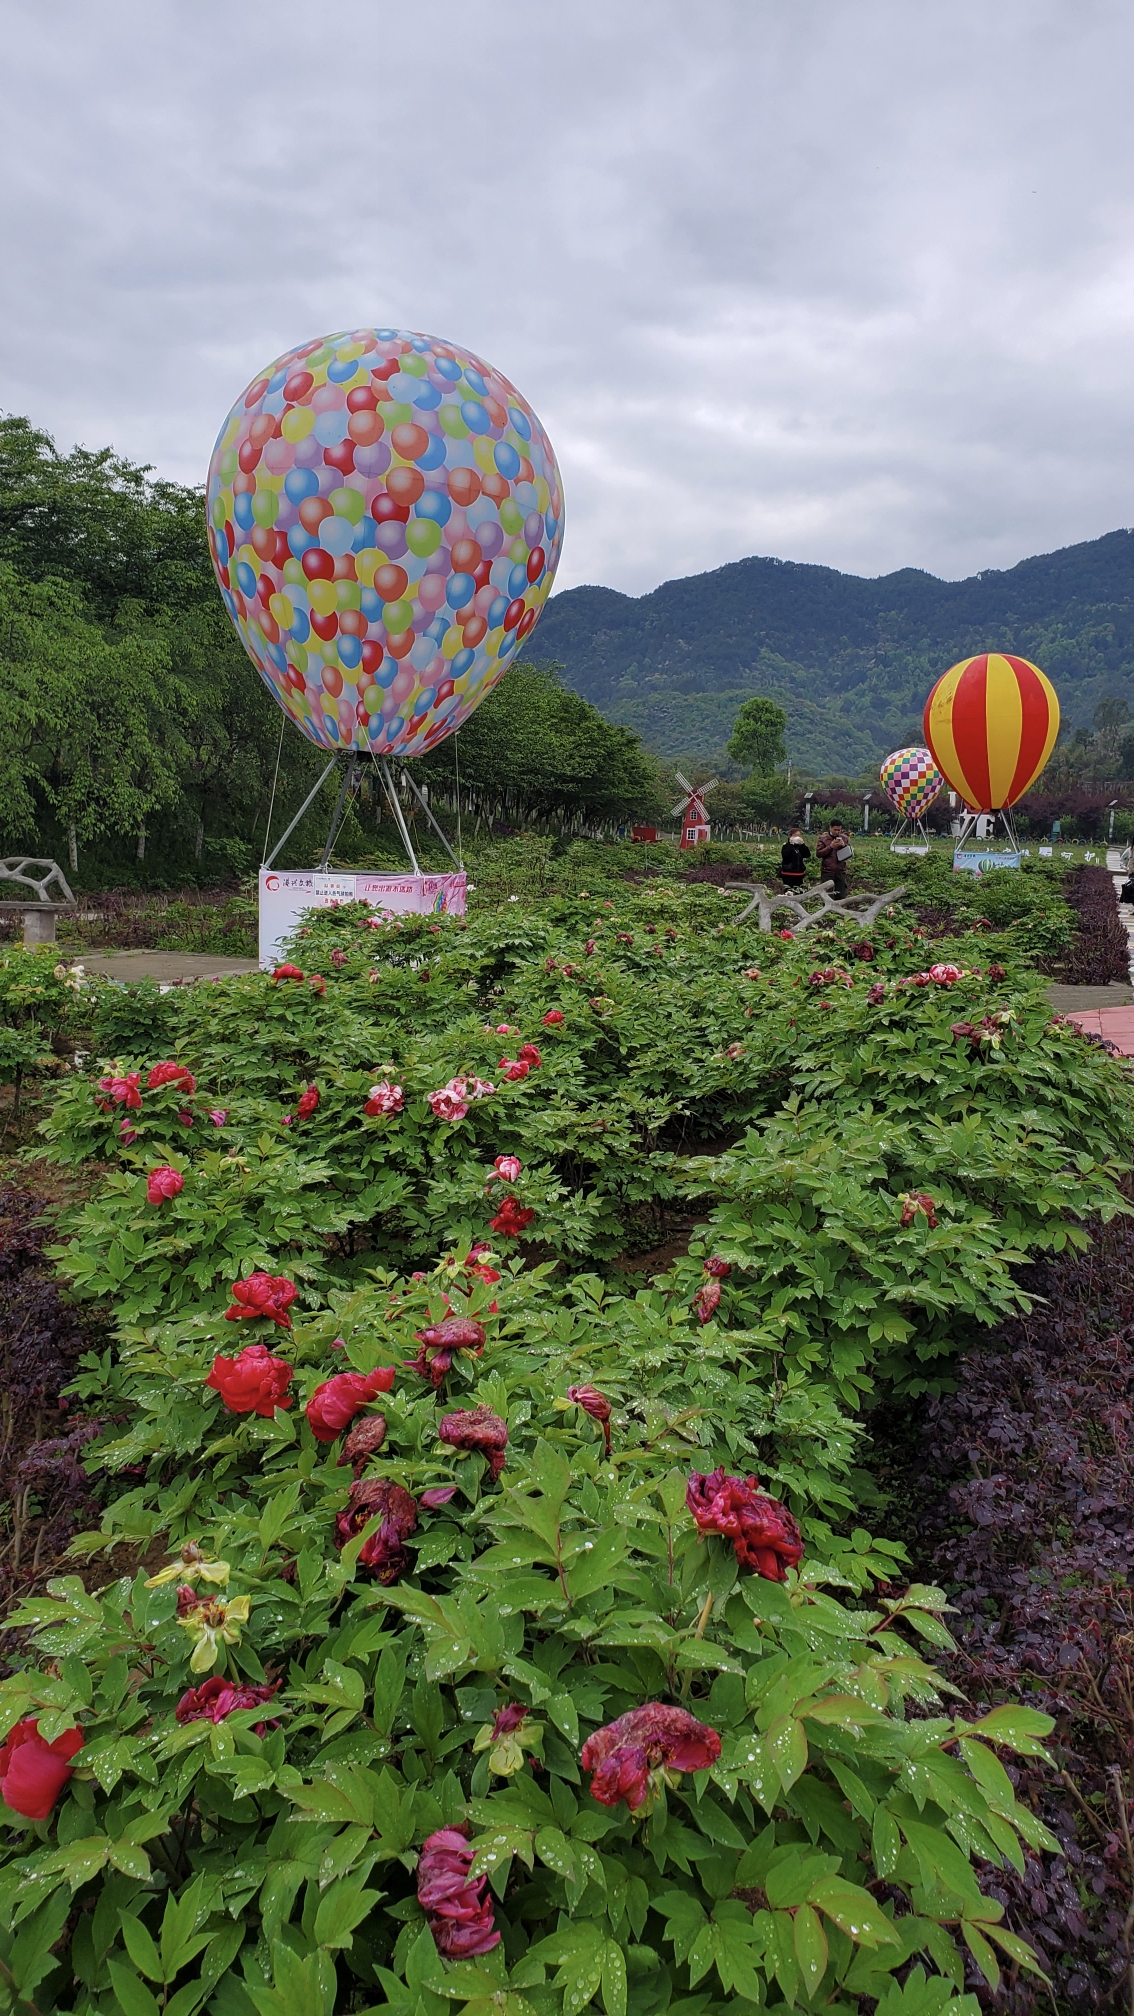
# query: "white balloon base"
[[286, 893]]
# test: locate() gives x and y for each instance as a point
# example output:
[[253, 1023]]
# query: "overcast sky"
[[848, 281]]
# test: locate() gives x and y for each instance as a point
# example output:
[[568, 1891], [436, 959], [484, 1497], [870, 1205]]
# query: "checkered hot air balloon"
[[911, 780], [991, 724]]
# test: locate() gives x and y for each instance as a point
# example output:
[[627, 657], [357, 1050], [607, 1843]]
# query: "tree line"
[[138, 740]]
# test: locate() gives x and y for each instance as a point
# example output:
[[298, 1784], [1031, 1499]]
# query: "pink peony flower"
[[218, 1697], [509, 1167], [162, 1184], [122, 1090], [944, 975], [632, 1757], [263, 1295], [218, 1115], [876, 993], [763, 1532], [338, 958], [449, 1101], [480, 1429], [384, 1098], [479, 1088], [506, 1029], [458, 1909]]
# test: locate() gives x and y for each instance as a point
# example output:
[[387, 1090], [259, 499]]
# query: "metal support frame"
[[424, 803], [336, 816], [306, 805], [969, 822], [399, 815]]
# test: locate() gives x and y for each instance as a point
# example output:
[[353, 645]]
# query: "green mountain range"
[[850, 659]]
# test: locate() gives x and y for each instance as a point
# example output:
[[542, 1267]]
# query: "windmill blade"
[[703, 790], [683, 781], [679, 807]]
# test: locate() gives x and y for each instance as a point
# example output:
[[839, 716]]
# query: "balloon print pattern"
[[911, 780], [385, 520]]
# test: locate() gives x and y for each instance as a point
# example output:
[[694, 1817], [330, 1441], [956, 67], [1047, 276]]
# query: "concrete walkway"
[[169, 969]]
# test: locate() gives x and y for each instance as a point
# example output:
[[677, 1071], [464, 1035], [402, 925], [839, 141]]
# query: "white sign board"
[[983, 864], [286, 893]]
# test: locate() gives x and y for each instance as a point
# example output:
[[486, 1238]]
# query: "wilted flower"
[[477, 1428], [335, 1403], [253, 1383], [912, 1202], [529, 1055], [453, 1333], [188, 1566], [33, 1772], [478, 1088], [122, 1089], [287, 973], [706, 1299], [590, 948], [997, 972], [475, 1264], [317, 984], [308, 1103], [752, 973], [512, 1218], [509, 1167], [385, 1098], [552, 1018], [170, 1073], [458, 1909], [364, 1441], [596, 1405], [763, 1532], [162, 1184], [214, 1699], [384, 1553], [338, 958], [438, 1495], [632, 1757], [212, 1623], [263, 1295], [864, 951], [876, 993]]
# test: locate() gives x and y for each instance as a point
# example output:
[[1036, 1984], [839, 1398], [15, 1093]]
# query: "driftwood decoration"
[[27, 888], [766, 902]]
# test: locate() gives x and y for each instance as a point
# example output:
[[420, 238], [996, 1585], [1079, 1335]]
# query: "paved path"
[[170, 969]]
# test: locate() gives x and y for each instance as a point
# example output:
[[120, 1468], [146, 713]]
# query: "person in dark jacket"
[[832, 844], [793, 854]]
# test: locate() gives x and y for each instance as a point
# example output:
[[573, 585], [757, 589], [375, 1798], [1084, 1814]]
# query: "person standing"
[[835, 851], [793, 855]]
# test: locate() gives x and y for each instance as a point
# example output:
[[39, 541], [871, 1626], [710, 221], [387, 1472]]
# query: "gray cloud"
[[840, 280]]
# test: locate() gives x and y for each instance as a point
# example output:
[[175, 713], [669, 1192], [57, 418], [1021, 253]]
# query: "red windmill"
[[695, 829]]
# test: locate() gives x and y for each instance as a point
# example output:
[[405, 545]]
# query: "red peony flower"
[[512, 1218], [263, 1295], [876, 993], [162, 1184], [253, 1383], [514, 1068], [454, 1333], [865, 951], [384, 1098], [287, 973], [218, 1697], [336, 1402], [780, 934], [384, 1553], [477, 1428], [553, 1017], [764, 1534], [317, 984], [170, 1073], [997, 972], [590, 948], [33, 1772], [706, 1299], [458, 1909], [308, 1103], [630, 1757], [716, 1268], [450, 1102], [509, 1167], [596, 1405], [122, 1090], [529, 1055]]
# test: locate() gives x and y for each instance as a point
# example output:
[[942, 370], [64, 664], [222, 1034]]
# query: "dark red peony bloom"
[[363, 1442], [217, 1697], [170, 1073], [876, 993], [384, 1553], [454, 1333], [629, 1756], [997, 972], [253, 1383], [864, 951], [596, 1405], [512, 1218], [764, 1534], [706, 1299], [914, 1201], [514, 1069], [308, 1103], [263, 1295], [529, 1055], [716, 1268], [458, 1910], [287, 973], [162, 1184], [553, 1016], [477, 1428], [334, 1404], [122, 1090], [33, 1772]]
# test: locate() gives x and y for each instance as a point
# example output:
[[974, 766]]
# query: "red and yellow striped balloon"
[[991, 724]]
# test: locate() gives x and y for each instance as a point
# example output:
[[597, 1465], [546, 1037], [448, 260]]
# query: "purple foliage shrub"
[[1098, 952]]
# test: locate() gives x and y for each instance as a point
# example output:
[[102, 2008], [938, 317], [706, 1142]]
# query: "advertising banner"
[[983, 864], [286, 893]]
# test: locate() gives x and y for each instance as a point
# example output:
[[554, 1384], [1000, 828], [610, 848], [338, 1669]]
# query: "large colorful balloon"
[[991, 724], [385, 518], [911, 780]]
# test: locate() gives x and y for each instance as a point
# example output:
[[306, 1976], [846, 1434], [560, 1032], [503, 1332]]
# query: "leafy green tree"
[[757, 738]]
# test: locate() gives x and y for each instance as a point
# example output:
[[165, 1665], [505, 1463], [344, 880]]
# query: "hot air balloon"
[[911, 781], [991, 724]]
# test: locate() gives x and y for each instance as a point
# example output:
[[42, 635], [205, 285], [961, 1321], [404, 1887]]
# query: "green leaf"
[[854, 1911], [341, 1909], [140, 1946], [613, 1978], [1016, 1728], [810, 1947], [786, 1743], [132, 1995]]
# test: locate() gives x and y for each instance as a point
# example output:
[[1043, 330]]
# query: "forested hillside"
[[850, 659]]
